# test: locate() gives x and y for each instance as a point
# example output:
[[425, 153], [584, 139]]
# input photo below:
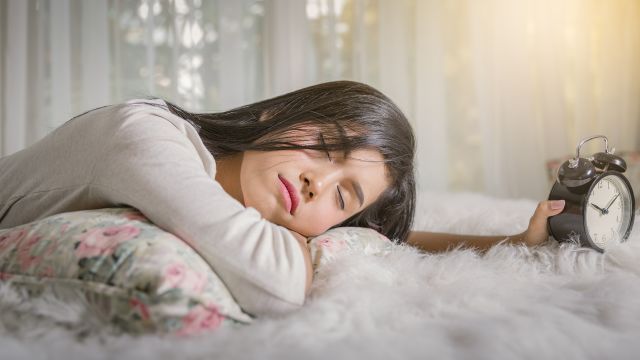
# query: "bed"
[[554, 301]]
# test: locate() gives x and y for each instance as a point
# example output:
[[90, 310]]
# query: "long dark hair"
[[348, 115]]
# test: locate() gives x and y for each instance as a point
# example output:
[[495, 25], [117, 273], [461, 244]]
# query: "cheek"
[[318, 220]]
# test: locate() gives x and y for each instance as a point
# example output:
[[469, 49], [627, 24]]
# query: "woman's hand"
[[537, 232]]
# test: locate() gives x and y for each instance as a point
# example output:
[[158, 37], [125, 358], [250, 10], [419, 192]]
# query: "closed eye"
[[329, 156], [340, 198]]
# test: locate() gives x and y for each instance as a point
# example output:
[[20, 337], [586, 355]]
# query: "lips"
[[289, 193]]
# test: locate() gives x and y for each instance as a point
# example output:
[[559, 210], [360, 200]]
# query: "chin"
[[310, 233]]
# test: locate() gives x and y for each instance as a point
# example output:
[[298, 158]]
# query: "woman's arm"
[[536, 233], [304, 246], [152, 166], [440, 242]]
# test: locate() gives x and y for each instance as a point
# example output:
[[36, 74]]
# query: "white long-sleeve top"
[[143, 156]]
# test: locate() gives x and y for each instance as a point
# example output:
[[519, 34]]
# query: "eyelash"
[[340, 198]]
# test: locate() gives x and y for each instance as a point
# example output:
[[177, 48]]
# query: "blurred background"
[[496, 90]]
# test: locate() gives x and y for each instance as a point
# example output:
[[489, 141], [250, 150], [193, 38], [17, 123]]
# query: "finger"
[[555, 206], [547, 208]]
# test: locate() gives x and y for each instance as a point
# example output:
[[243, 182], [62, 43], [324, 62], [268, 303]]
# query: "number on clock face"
[[608, 211]]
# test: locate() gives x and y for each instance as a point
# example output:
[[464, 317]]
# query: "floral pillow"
[[136, 275], [132, 273]]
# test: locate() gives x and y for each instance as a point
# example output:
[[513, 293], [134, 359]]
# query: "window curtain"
[[493, 88]]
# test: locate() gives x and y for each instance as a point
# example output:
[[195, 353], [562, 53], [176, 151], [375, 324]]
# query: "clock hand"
[[602, 211], [611, 202]]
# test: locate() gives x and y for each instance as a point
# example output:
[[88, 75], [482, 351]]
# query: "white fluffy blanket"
[[553, 302]]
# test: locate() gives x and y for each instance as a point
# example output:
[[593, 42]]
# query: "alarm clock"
[[599, 203]]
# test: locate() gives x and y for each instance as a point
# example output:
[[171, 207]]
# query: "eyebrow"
[[358, 189]]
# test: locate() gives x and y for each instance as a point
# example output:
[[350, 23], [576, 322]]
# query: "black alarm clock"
[[599, 202]]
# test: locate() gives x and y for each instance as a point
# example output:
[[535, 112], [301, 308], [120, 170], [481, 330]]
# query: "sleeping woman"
[[246, 187]]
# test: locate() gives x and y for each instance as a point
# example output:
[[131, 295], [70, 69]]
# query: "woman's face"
[[309, 191]]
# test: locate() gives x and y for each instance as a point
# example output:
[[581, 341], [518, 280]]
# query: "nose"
[[315, 182]]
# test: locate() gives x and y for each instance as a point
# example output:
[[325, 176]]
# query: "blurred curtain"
[[493, 88]]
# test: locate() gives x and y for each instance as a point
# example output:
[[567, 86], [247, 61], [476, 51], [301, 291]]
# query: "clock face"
[[608, 210]]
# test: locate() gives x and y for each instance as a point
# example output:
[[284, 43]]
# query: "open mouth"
[[289, 194]]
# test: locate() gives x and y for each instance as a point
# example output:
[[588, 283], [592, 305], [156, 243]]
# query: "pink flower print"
[[135, 215], [325, 242], [103, 241], [5, 276], [200, 319], [26, 258], [141, 307], [47, 272], [178, 275], [10, 238], [332, 245]]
